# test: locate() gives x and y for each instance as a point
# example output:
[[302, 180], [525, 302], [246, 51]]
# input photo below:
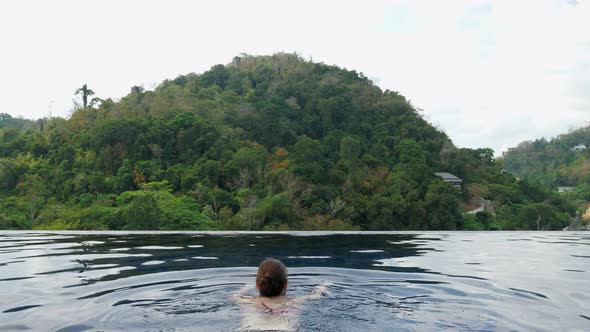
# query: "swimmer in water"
[[272, 310]]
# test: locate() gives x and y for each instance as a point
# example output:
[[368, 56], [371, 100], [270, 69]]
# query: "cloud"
[[490, 73], [497, 64]]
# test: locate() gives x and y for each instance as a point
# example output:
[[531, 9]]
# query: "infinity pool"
[[524, 281]]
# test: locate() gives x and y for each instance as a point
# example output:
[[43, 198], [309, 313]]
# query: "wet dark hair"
[[271, 277]]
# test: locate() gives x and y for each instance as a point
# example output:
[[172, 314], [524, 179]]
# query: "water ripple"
[[413, 281]]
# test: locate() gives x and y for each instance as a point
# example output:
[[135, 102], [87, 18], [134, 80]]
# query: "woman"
[[272, 309]]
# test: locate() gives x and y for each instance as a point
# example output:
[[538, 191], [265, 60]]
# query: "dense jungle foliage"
[[265, 142], [563, 161]]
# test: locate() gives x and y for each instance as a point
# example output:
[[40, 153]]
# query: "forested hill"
[[562, 161], [265, 142], [7, 121]]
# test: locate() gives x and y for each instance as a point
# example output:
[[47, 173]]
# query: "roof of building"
[[447, 176]]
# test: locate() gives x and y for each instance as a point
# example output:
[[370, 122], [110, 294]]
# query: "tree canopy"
[[265, 142]]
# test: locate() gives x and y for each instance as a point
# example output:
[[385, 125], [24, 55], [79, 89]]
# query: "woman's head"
[[271, 279]]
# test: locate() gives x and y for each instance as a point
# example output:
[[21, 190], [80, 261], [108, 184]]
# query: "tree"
[[35, 190], [85, 92], [350, 151], [276, 210], [143, 212], [541, 216], [443, 206], [295, 189], [308, 159], [248, 201], [412, 160]]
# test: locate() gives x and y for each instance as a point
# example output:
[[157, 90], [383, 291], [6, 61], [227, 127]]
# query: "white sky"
[[489, 73]]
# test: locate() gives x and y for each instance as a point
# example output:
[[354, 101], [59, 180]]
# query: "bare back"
[[279, 313]]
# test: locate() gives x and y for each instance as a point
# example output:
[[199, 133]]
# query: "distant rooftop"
[[447, 176], [578, 147]]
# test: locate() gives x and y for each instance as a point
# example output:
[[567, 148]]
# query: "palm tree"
[[85, 92]]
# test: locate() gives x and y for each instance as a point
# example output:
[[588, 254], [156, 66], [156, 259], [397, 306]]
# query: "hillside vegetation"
[[563, 161], [265, 142]]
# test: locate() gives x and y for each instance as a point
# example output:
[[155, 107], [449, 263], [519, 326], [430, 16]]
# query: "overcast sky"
[[489, 73]]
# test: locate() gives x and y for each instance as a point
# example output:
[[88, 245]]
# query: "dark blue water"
[[524, 281]]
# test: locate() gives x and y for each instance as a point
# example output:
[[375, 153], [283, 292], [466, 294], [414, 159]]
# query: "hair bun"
[[266, 280], [271, 278]]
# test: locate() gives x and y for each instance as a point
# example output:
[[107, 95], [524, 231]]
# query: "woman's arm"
[[240, 294], [318, 291]]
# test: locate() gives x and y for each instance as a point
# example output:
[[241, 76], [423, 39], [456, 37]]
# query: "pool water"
[[522, 281]]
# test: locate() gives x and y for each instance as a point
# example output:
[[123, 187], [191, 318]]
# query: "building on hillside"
[[450, 178], [565, 189], [579, 147]]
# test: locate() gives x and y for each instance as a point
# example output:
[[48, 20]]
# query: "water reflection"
[[138, 282]]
